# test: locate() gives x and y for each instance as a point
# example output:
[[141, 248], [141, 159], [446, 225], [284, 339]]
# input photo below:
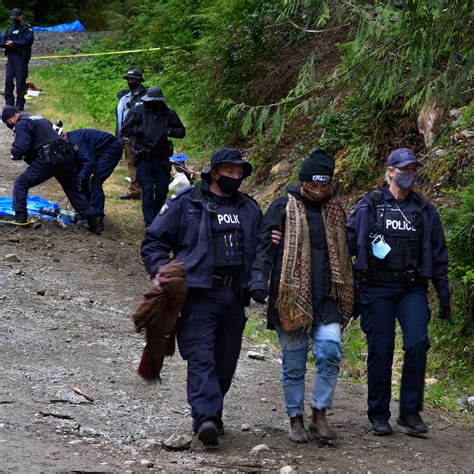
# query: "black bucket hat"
[[134, 74], [153, 93], [227, 155]]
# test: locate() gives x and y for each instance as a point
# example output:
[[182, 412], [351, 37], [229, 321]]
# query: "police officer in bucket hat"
[[396, 237], [212, 229]]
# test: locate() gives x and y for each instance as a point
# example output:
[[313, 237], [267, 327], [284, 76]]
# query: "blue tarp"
[[74, 26], [37, 206]]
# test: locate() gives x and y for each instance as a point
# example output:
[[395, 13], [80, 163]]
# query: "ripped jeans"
[[327, 351]]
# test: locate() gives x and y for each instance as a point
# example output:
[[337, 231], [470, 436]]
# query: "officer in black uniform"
[[47, 155], [149, 126], [396, 237], [211, 228], [17, 42]]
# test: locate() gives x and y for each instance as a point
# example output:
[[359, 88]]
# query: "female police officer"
[[396, 237]]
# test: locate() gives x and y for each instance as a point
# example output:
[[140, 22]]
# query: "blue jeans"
[[327, 350]]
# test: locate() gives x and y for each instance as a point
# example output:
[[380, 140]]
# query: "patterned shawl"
[[294, 303]]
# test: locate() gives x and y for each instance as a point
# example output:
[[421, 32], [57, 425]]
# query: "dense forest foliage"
[[281, 77]]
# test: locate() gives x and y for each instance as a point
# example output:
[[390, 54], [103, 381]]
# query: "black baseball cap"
[[402, 157], [227, 155], [8, 112], [16, 13]]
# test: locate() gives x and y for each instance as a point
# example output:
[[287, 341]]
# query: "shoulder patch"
[[181, 192], [163, 209]]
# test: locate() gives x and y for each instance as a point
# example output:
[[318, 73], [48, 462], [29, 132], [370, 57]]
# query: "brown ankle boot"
[[297, 432], [319, 424]]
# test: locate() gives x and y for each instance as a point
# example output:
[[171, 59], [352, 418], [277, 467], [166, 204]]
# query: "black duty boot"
[[297, 433], [381, 428], [100, 223], [208, 434], [319, 424], [126, 197], [94, 226], [21, 217], [413, 423]]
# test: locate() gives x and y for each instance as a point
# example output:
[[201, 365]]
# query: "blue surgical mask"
[[380, 248], [405, 180]]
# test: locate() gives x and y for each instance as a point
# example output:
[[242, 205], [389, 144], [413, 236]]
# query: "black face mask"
[[133, 86], [229, 185], [155, 105], [17, 22], [11, 126]]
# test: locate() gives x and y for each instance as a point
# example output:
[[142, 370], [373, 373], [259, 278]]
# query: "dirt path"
[[64, 321]]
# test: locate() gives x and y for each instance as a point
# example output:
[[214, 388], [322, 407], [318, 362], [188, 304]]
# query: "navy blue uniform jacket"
[[434, 253], [183, 227], [91, 143], [22, 37], [31, 133]]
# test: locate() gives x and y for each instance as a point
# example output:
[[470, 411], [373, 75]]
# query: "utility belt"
[[143, 153], [406, 277], [232, 281], [55, 153]]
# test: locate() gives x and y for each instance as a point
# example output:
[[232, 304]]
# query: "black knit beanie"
[[318, 167]]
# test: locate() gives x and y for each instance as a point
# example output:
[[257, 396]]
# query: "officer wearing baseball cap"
[[38, 144], [17, 42], [212, 228], [128, 99], [396, 237]]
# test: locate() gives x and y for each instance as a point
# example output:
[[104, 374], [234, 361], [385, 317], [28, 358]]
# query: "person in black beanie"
[[311, 289]]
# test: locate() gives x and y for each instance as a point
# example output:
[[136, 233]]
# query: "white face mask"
[[380, 248]]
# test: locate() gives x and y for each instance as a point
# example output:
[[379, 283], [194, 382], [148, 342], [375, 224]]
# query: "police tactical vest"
[[227, 237], [43, 131], [399, 221]]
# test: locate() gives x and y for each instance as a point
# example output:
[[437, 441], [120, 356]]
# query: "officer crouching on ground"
[[97, 154], [47, 155], [148, 126], [211, 228], [397, 239]]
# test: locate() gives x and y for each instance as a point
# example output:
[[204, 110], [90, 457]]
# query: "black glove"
[[445, 313], [259, 296]]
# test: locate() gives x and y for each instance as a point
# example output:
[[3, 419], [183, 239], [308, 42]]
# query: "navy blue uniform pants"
[[38, 172], [16, 70], [381, 307], [105, 165], [209, 339], [153, 176]]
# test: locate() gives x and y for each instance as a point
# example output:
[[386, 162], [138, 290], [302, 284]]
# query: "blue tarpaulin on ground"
[[36, 206], [74, 26]]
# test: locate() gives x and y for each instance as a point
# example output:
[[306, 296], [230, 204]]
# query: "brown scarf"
[[294, 303]]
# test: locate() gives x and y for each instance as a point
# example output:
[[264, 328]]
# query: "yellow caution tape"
[[84, 55]]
